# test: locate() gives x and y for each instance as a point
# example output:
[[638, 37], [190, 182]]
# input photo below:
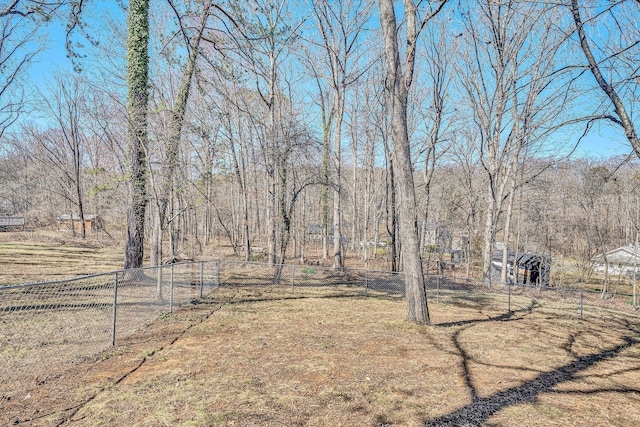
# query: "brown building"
[[74, 222]]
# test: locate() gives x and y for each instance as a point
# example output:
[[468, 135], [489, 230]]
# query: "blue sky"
[[603, 141]]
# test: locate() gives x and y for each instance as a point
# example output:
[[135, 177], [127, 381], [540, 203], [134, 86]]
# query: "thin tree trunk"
[[507, 231], [176, 123], [338, 263]]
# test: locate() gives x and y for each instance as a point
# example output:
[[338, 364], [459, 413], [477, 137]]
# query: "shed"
[[9, 222], [534, 269], [74, 222], [530, 268]]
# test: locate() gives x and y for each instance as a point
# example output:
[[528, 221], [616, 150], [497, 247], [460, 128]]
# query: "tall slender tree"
[[340, 24], [176, 121], [137, 102], [398, 82]]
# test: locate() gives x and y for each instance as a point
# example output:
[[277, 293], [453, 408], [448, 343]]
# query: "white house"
[[623, 260]]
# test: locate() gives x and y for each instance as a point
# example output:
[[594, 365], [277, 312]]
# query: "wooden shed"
[[10, 222], [74, 222]]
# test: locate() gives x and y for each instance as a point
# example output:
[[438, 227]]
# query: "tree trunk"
[[138, 96], [507, 231], [338, 263], [489, 237], [324, 197], [397, 85]]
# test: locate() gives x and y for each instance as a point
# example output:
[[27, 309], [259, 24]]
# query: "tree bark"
[[337, 163], [138, 96], [397, 85]]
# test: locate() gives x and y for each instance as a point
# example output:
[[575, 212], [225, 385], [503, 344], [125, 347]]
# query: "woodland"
[[330, 130]]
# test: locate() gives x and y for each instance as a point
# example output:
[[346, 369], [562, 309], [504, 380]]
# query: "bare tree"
[[507, 76], [164, 189], [434, 117], [398, 83], [618, 52], [260, 43], [61, 148], [18, 48], [340, 25]]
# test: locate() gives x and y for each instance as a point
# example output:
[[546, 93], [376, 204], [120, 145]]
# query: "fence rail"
[[47, 327]]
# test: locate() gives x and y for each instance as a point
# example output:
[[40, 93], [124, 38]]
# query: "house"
[[622, 260], [73, 222], [440, 237]]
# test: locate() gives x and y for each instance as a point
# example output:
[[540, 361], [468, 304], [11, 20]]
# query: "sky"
[[603, 141]]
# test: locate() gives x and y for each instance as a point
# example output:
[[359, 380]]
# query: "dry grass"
[[28, 257], [262, 356]]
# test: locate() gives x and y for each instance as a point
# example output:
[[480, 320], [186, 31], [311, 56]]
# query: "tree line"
[[282, 128]]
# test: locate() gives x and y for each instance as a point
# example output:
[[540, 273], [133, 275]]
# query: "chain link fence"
[[510, 297], [309, 280], [47, 327]]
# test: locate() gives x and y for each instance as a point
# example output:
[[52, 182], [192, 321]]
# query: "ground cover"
[[27, 257], [263, 356]]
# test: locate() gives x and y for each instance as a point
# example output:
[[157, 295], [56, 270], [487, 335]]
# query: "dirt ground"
[[256, 357]]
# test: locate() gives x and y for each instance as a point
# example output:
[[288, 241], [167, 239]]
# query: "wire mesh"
[[385, 282], [47, 327]]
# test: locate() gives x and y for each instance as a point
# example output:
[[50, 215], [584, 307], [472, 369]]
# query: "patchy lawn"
[[264, 357], [36, 257]]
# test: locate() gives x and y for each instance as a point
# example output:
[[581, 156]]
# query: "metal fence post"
[[509, 293], [159, 283], [438, 290], [293, 273], [218, 272], [115, 305], [171, 291], [366, 281], [201, 277], [581, 302]]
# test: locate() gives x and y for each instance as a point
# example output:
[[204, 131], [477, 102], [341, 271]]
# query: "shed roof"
[[624, 255], [74, 217]]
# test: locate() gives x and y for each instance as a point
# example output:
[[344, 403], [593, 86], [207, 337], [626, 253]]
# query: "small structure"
[[9, 222], [315, 232], [74, 222], [533, 269], [528, 269], [622, 260], [457, 256]]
